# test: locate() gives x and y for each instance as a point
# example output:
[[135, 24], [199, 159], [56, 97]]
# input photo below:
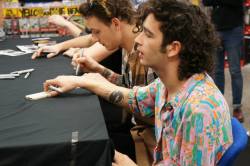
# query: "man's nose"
[[138, 39]]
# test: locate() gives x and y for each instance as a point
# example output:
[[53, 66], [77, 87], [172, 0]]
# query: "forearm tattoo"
[[119, 80], [112, 76], [106, 73], [116, 97]]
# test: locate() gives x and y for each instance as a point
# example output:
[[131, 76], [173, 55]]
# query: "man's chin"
[[110, 48]]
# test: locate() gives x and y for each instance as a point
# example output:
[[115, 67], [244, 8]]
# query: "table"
[[40, 132]]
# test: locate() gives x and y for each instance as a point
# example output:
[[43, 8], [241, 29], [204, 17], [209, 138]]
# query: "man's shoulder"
[[206, 96]]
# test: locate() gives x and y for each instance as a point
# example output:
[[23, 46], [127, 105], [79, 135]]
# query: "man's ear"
[[116, 23], [173, 48]]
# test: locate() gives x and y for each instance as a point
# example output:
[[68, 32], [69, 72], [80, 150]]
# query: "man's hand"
[[72, 51], [50, 50], [75, 56], [87, 64], [90, 81], [122, 160], [58, 20], [93, 82], [65, 83]]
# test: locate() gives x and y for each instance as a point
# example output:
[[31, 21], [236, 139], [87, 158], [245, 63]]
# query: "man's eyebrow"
[[147, 31]]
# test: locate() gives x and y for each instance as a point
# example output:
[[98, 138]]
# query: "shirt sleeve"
[[207, 134], [142, 99]]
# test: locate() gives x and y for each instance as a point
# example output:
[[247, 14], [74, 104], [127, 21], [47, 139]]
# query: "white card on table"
[[10, 52]]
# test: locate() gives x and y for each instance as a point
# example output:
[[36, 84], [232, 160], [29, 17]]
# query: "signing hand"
[[90, 81], [75, 56], [87, 63], [65, 83]]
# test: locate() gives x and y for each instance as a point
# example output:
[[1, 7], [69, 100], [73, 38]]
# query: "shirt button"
[[169, 107]]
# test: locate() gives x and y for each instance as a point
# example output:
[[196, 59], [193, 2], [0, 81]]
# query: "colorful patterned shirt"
[[192, 128]]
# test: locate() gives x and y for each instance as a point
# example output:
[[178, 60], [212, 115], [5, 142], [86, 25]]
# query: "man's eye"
[[95, 32], [148, 34], [87, 30]]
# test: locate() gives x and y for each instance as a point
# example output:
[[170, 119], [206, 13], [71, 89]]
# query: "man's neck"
[[169, 77], [128, 36]]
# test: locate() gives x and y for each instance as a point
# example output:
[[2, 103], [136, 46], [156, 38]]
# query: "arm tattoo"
[[116, 97], [119, 80], [106, 73], [112, 77]]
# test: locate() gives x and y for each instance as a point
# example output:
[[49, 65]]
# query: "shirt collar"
[[186, 90]]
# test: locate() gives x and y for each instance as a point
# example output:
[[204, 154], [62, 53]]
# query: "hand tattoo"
[[116, 97]]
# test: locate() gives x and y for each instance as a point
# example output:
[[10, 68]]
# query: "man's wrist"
[[60, 47], [79, 82], [67, 24], [101, 69]]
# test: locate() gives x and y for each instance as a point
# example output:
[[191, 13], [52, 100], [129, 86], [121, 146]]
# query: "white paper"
[[10, 52], [27, 48]]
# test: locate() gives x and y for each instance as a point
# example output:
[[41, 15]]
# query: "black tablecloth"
[[40, 132], [112, 114]]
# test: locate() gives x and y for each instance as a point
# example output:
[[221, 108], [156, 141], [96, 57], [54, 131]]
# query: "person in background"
[[228, 19], [74, 30], [65, 23], [192, 118], [2, 33]]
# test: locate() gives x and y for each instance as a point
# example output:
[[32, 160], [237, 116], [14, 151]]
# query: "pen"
[[27, 75], [7, 77], [78, 69], [53, 88], [22, 71]]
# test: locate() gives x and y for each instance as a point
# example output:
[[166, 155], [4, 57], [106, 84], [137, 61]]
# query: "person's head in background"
[[171, 24], [109, 21], [2, 33]]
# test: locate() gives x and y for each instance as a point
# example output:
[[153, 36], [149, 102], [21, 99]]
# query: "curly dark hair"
[[190, 26], [105, 10]]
